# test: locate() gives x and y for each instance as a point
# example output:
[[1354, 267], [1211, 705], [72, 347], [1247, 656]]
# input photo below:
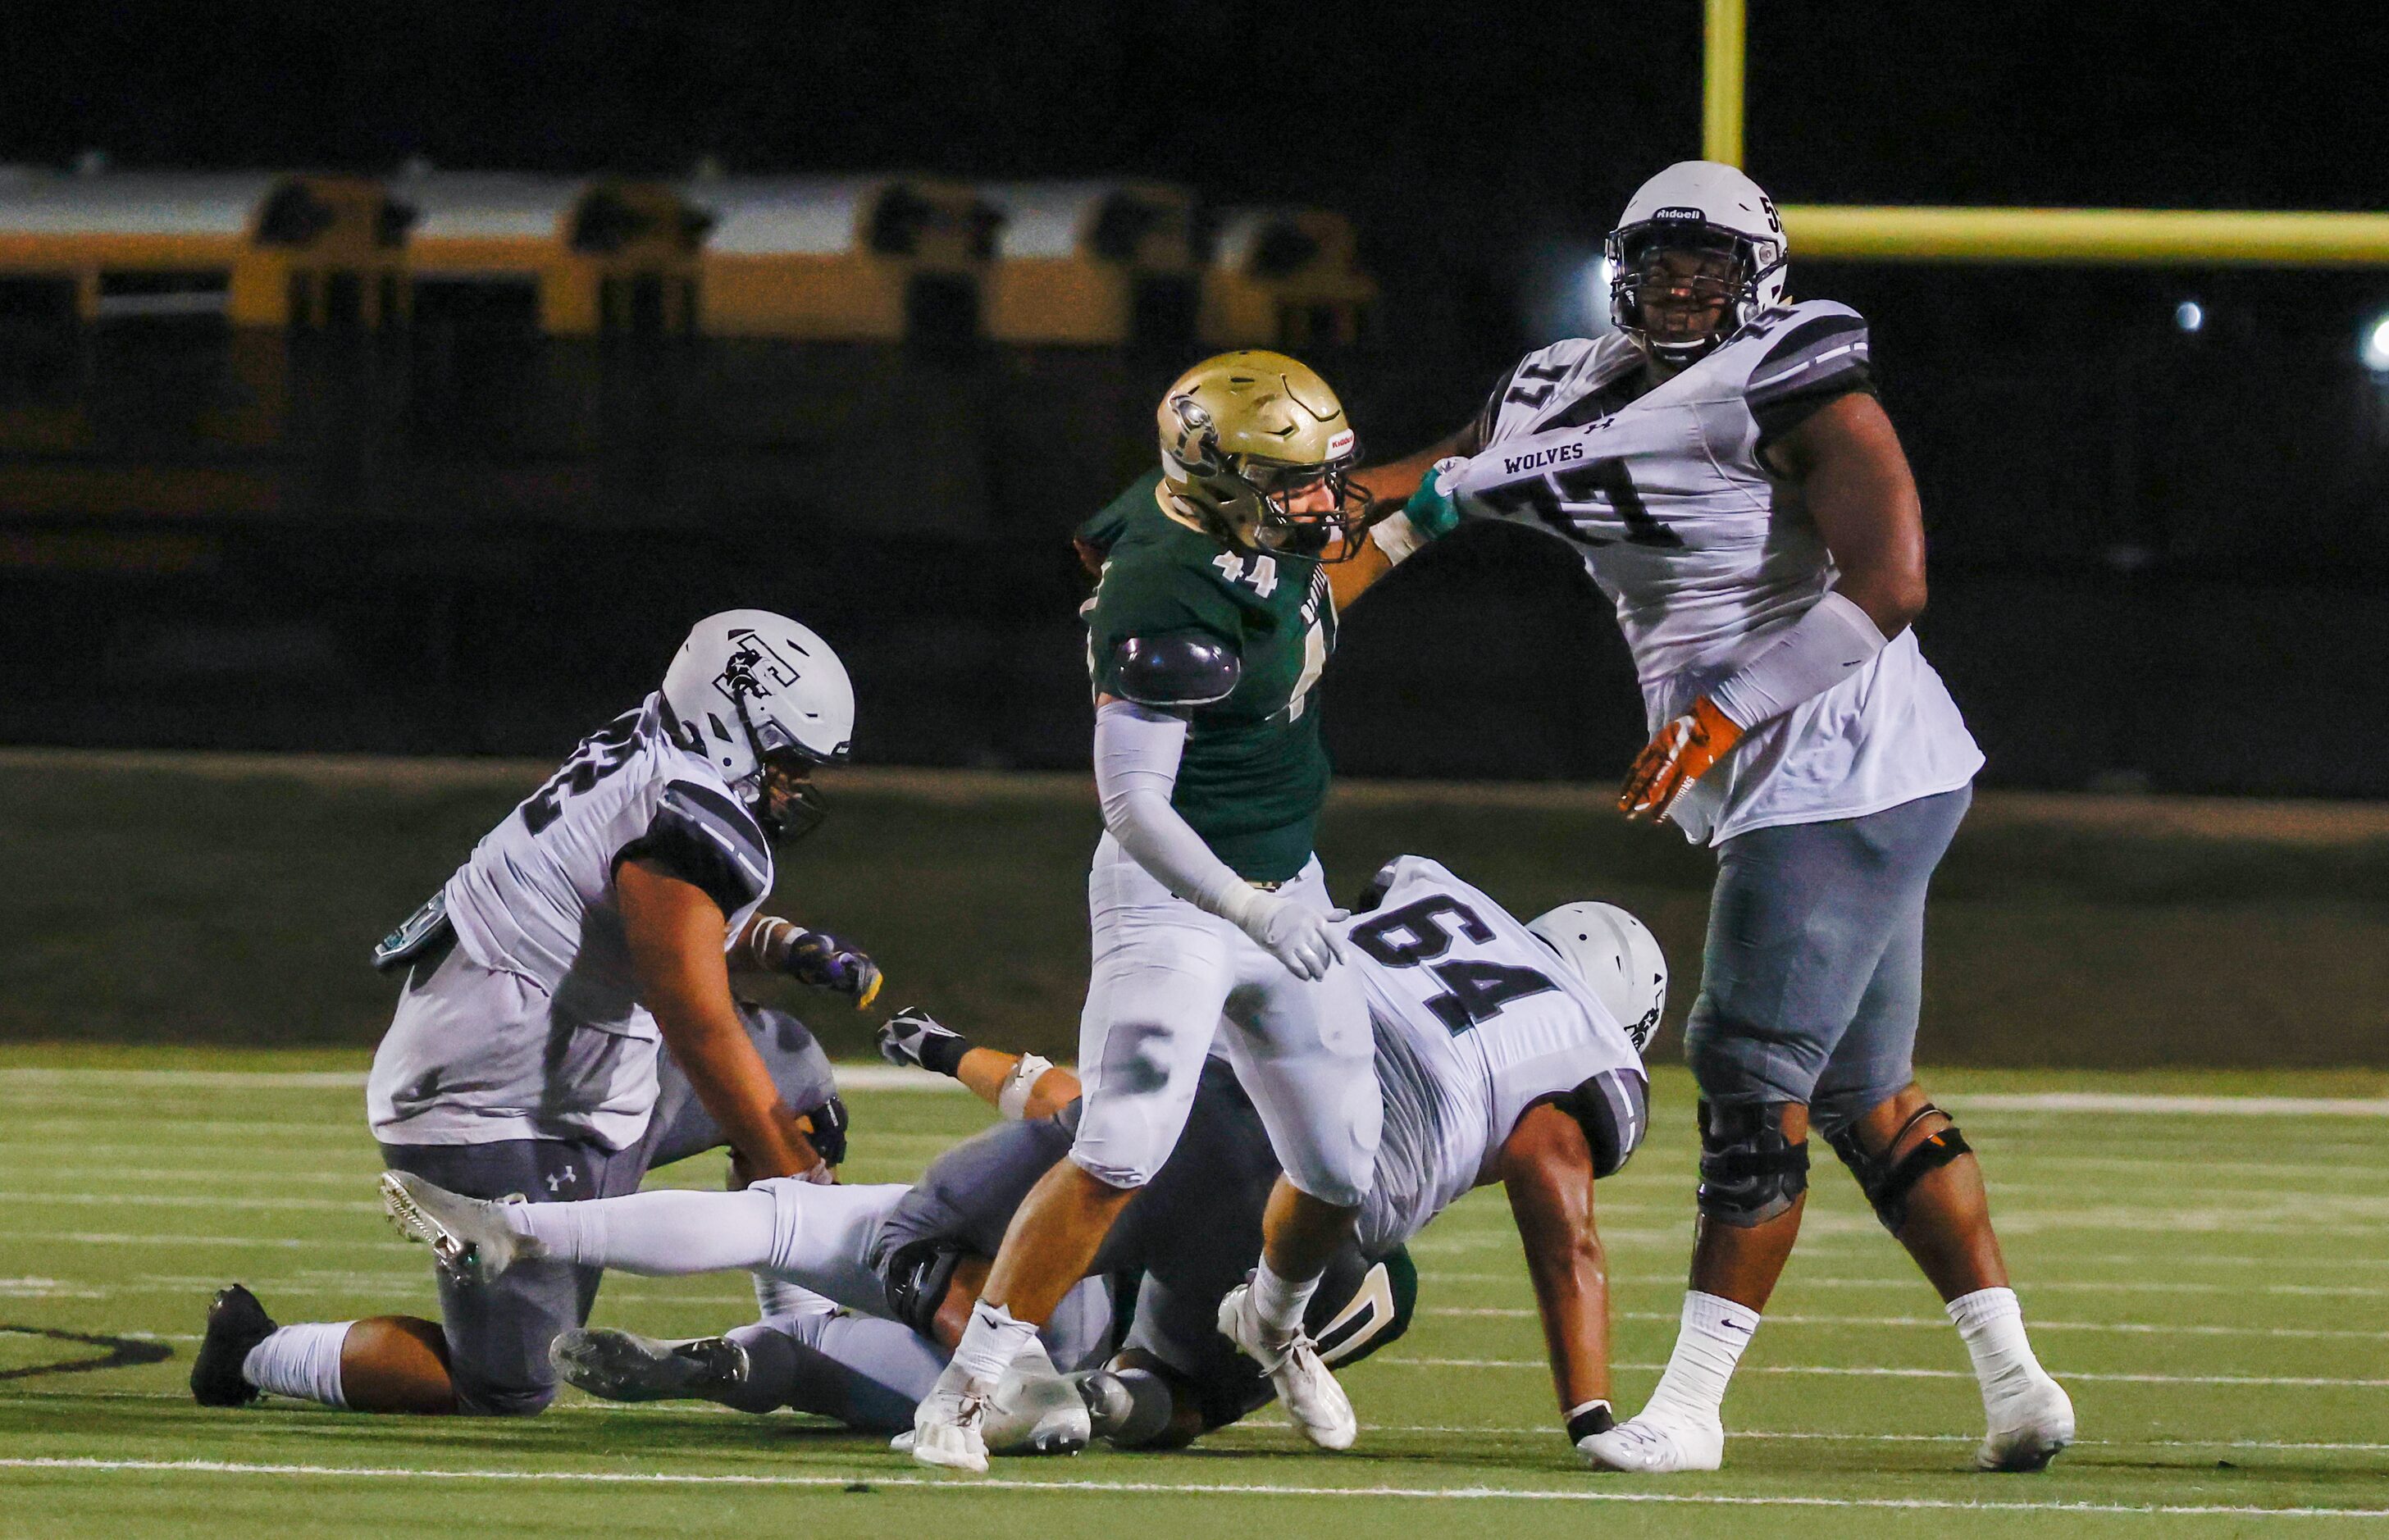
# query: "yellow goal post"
[[2186, 238]]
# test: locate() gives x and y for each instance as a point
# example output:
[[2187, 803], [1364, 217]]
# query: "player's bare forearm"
[[1547, 1171], [1396, 479], [741, 958], [673, 929], [1349, 579], [984, 1070], [1855, 481]]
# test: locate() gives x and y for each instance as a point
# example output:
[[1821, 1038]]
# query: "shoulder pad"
[[1183, 668], [1816, 347]]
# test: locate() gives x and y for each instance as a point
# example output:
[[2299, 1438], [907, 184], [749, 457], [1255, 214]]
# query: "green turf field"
[[232, 899], [2209, 1285]]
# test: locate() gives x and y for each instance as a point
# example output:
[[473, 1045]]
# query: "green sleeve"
[[1103, 530]]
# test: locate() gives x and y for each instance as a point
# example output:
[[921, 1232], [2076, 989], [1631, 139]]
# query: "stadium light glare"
[[2375, 350], [1597, 274], [2189, 315]]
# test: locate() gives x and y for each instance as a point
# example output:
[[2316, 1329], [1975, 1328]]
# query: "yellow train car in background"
[[845, 259], [573, 257], [1100, 264], [261, 249], [1286, 278]]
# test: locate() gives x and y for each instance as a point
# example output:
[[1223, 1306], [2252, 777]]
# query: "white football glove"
[[1290, 931]]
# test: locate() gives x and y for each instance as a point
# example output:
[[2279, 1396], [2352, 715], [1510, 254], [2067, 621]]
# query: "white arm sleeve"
[[1137, 749], [1813, 654]]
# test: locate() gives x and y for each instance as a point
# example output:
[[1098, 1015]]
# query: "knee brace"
[[1886, 1180], [917, 1278], [1750, 1171]]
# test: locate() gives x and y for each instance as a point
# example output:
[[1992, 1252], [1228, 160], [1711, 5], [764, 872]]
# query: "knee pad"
[[917, 1277], [1750, 1173], [1887, 1179]]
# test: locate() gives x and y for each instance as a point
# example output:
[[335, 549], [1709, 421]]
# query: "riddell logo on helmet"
[[1340, 444], [1676, 215]]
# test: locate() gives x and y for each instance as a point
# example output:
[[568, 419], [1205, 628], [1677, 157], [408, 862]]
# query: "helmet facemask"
[[1680, 287], [1265, 507], [780, 790]]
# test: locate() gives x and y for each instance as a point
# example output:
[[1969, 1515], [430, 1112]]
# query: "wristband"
[[764, 941], [1011, 1098], [1592, 1418], [943, 1055]]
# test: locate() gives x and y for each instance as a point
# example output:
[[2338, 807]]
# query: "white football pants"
[[1166, 978]]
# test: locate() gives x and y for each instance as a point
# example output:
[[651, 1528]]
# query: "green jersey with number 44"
[[1255, 770]]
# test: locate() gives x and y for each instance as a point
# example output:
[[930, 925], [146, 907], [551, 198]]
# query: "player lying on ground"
[[1499, 1056], [1722, 468], [598, 923], [1209, 628]]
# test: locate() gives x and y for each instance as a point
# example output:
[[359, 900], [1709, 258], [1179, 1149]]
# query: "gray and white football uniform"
[[1831, 817], [533, 1028], [1476, 1023], [1708, 555]]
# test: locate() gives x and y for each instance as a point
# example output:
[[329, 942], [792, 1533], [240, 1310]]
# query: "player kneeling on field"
[[597, 923], [1503, 1052]]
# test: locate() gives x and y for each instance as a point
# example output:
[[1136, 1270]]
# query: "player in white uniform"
[[1504, 1052], [594, 925], [1722, 465]]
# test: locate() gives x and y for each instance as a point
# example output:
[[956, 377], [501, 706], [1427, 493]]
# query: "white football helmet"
[[749, 688], [1711, 209], [1617, 957]]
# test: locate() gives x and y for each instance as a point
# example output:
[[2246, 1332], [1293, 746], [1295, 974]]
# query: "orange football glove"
[[1679, 755]]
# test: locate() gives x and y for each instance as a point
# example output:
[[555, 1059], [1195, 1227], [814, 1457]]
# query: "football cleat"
[[949, 1427], [2027, 1429], [1644, 1447], [468, 1237], [623, 1366], [236, 1323], [1313, 1400], [1035, 1411]]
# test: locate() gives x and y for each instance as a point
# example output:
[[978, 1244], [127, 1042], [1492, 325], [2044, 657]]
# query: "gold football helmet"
[[1256, 448]]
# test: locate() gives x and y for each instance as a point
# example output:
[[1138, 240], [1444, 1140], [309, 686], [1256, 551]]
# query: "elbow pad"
[[1187, 669]]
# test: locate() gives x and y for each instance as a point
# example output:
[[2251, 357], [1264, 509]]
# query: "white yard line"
[[1877, 1371], [2141, 1103], [2031, 1286], [866, 1076], [190, 1200], [110, 1238], [1942, 1324], [861, 1076], [962, 1485]]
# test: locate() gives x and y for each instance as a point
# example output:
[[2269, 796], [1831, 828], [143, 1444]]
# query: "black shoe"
[[235, 1323]]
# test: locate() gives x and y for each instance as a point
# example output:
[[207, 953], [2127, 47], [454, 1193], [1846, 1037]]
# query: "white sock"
[[989, 1344], [302, 1361], [1278, 1304], [660, 1234], [1709, 1346], [1992, 1324]]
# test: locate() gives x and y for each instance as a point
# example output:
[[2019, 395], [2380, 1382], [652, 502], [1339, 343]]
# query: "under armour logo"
[[558, 1180]]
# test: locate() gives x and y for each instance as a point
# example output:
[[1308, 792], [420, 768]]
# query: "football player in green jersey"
[[1222, 575]]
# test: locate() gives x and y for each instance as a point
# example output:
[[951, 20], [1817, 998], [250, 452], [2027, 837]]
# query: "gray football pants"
[[1815, 965], [498, 1332]]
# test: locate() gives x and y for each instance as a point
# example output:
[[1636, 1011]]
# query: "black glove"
[[830, 1122], [913, 1037], [821, 959]]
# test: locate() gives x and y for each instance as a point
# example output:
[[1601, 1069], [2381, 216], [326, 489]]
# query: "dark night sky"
[[1515, 113]]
